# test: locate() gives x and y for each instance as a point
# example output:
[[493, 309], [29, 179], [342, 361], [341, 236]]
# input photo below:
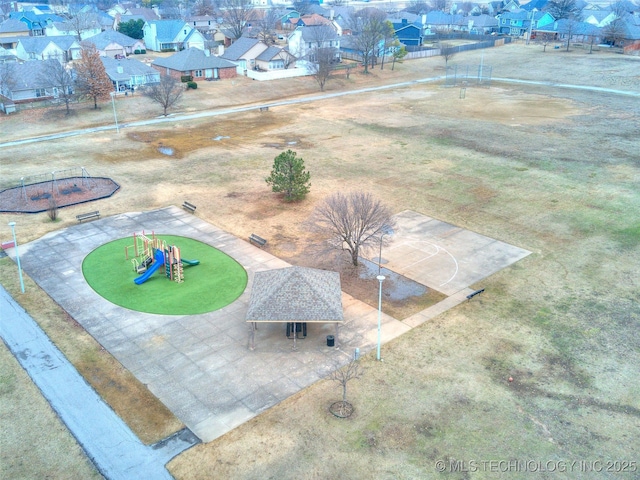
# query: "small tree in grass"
[[343, 376], [166, 93], [288, 176]]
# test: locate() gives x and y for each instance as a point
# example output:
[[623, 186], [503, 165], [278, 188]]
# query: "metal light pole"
[[388, 231], [15, 245], [113, 103], [380, 279]]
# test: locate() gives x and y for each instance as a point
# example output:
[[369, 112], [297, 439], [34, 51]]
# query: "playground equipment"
[[151, 253]]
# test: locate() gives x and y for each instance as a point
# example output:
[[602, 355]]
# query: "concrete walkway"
[[110, 444]]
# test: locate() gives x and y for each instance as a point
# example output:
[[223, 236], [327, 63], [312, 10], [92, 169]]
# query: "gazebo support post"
[[252, 336], [294, 335]]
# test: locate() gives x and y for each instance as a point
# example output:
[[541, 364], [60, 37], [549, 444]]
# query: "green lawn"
[[215, 282]]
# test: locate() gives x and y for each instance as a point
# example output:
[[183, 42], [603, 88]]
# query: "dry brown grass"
[[553, 171], [132, 401]]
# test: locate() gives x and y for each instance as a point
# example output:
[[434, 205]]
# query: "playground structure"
[[151, 253]]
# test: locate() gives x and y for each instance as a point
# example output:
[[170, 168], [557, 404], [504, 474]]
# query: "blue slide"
[[159, 262]]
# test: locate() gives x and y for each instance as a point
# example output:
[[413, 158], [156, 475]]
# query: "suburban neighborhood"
[[302, 239], [271, 42]]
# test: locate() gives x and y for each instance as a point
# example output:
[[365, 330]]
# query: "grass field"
[[554, 171], [216, 281]]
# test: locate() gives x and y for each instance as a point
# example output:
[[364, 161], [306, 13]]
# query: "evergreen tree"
[[132, 28], [289, 177]]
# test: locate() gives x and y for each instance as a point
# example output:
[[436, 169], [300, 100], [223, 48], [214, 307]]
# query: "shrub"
[[136, 52], [193, 85], [186, 78], [143, 51]]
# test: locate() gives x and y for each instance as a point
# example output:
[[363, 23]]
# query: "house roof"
[[484, 21], [13, 26], [147, 14], [29, 75], [239, 48], [192, 59], [38, 44], [295, 294], [314, 19], [167, 30], [129, 66], [34, 18], [108, 37], [270, 53], [320, 32], [534, 5]]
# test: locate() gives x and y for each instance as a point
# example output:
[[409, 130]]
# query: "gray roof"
[[29, 75], [192, 59], [38, 44], [319, 32], [239, 48], [105, 38], [129, 67], [269, 54], [13, 26], [296, 294], [167, 30]]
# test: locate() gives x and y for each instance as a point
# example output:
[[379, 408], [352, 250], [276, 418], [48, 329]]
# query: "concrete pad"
[[200, 366], [442, 256]]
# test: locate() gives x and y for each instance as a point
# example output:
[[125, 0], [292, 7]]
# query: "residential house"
[[482, 24], [114, 44], [63, 49], [520, 23], [37, 23], [198, 64], [570, 30], [444, 22], [408, 33], [206, 24], [59, 29], [274, 58], [13, 28], [128, 74], [30, 83], [243, 53], [599, 18], [303, 41], [287, 19], [166, 35], [535, 5]]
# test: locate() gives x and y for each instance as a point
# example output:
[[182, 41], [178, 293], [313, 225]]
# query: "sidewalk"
[[108, 442]]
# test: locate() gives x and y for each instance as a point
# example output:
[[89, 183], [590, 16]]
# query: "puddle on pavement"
[[396, 287], [166, 151]]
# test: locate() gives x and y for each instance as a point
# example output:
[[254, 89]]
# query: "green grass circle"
[[217, 281]]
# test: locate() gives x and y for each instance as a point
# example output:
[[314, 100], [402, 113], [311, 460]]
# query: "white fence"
[[277, 74]]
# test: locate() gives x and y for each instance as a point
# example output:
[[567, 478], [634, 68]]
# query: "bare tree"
[[447, 51], [8, 78], [92, 80], [343, 376], [56, 75], [303, 7], [417, 7], [388, 40], [616, 31], [368, 29], [323, 53], [82, 21], [354, 222], [266, 26], [237, 15], [560, 9], [166, 93], [544, 39], [204, 8], [440, 5]]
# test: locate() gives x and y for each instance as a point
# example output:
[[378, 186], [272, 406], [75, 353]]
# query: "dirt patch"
[[40, 197]]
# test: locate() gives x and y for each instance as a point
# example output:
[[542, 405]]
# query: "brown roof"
[[296, 294]]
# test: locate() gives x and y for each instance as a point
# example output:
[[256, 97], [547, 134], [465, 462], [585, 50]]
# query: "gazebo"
[[295, 295]]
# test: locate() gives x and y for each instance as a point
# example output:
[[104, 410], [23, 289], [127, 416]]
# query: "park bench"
[[189, 206], [257, 240], [87, 216], [477, 292], [264, 109]]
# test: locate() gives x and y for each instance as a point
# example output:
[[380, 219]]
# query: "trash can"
[[330, 341]]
